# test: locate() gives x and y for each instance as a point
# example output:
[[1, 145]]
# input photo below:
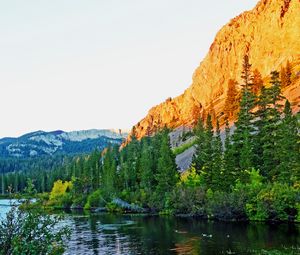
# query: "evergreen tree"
[[231, 102], [217, 160], [286, 74], [147, 169], [95, 169], [2, 183], [257, 82], [109, 174], [230, 171], [242, 138], [288, 147], [206, 155], [198, 158], [270, 127], [261, 119], [167, 174]]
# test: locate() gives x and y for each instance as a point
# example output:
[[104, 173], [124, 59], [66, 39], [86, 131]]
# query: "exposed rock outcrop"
[[269, 34]]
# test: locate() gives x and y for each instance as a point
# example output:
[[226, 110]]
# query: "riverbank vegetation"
[[32, 232], [252, 173]]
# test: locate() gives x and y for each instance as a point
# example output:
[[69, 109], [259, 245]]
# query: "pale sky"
[[78, 64]]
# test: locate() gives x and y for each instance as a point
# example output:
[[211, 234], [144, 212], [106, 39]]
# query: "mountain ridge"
[[269, 34], [49, 143]]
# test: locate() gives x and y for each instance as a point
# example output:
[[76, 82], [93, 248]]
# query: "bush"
[[31, 232], [274, 202], [94, 200], [189, 200], [183, 147], [298, 212], [227, 206], [59, 189], [113, 208], [60, 195], [191, 178], [79, 201]]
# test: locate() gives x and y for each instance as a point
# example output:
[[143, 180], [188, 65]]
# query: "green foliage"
[[79, 201], [189, 200], [242, 137], [109, 174], [217, 167], [30, 189], [182, 148], [191, 178], [186, 135], [31, 232], [273, 202], [227, 206], [298, 211], [288, 156], [203, 159], [224, 181], [94, 200], [167, 175], [113, 208]]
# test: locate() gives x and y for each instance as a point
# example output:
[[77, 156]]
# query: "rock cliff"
[[269, 34]]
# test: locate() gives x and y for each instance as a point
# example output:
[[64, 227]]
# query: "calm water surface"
[[136, 234]]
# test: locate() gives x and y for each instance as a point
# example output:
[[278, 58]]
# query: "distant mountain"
[[42, 143]]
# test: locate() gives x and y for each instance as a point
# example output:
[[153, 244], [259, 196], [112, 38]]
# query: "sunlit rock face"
[[269, 34]]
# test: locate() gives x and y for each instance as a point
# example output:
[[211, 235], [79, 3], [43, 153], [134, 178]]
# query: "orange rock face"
[[269, 34]]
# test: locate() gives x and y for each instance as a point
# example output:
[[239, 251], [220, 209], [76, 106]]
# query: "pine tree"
[[217, 160], [230, 170], [206, 155], [167, 174], [286, 74], [198, 158], [260, 122], [257, 82], [95, 169], [242, 138], [288, 147], [2, 183], [109, 174], [147, 168], [231, 102], [270, 127]]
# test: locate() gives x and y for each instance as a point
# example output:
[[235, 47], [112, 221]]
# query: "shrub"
[[79, 201], [112, 207], [191, 179], [183, 147], [298, 212], [189, 200], [59, 189], [94, 200], [227, 206], [31, 232], [60, 195], [274, 202]]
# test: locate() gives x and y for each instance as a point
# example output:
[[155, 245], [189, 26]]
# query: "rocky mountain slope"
[[269, 34], [58, 142]]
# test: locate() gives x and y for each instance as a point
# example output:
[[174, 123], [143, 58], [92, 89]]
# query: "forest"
[[247, 172]]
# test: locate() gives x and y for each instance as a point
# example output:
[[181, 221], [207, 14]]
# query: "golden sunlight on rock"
[[269, 34]]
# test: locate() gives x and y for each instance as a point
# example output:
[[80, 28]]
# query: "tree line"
[[247, 171]]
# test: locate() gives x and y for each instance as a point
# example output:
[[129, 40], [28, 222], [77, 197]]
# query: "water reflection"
[[136, 234], [129, 234]]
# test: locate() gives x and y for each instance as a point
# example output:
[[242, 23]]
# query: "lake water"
[[136, 234]]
